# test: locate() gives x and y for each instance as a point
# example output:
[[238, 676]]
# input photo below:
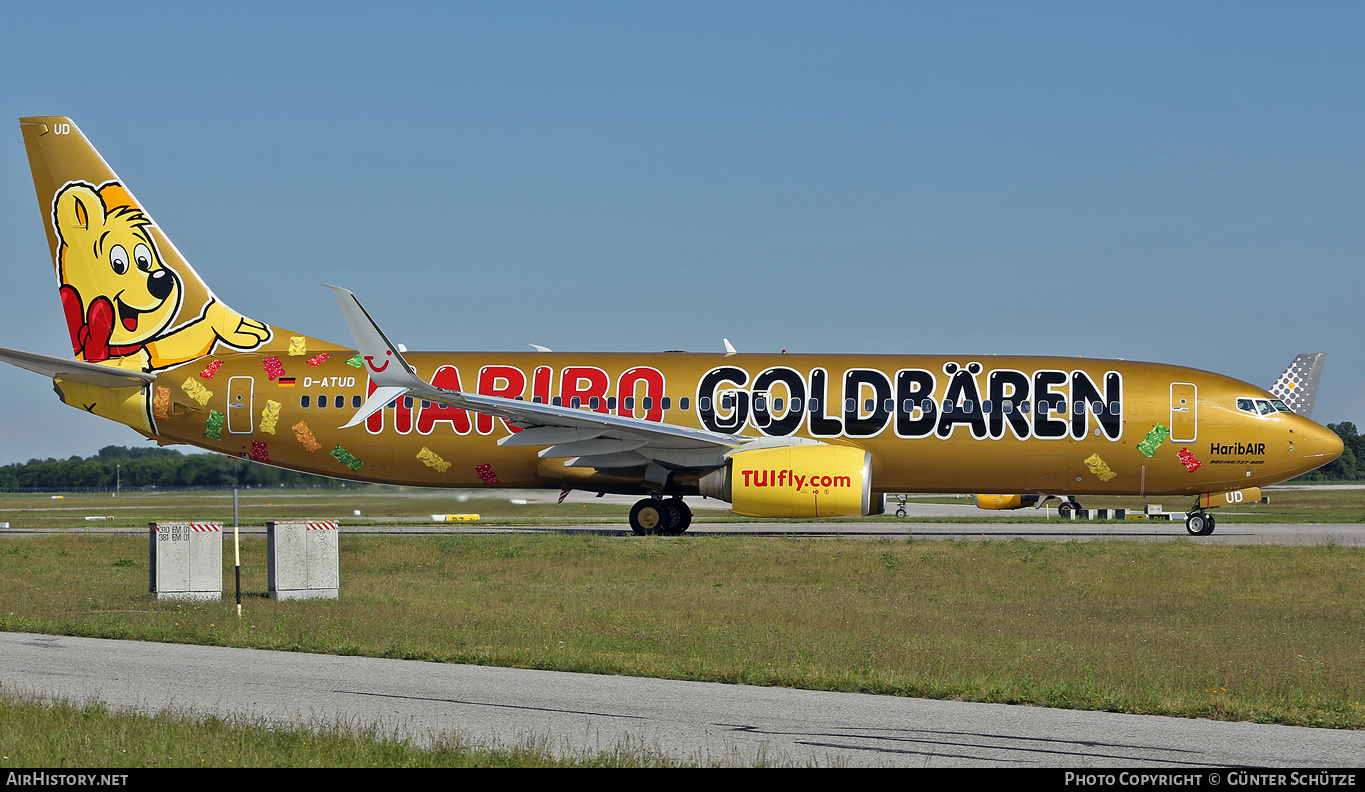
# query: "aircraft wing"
[[585, 438], [76, 370]]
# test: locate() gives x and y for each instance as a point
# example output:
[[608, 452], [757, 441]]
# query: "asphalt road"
[[703, 722], [1226, 532], [1160, 531]]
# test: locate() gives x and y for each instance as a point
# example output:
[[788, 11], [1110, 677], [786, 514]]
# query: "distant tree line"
[[152, 468]]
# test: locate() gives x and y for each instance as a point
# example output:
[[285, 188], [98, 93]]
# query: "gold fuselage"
[[1209, 446]]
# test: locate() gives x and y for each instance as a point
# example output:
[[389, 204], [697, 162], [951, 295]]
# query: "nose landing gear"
[[1198, 522], [1067, 507]]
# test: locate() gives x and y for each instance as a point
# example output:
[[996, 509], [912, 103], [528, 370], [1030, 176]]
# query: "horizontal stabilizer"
[[76, 370]]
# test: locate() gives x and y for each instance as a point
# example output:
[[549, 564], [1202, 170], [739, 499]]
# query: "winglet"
[[729, 348], [377, 401], [1298, 385], [394, 371]]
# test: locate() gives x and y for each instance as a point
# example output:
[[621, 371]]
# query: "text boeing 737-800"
[[773, 435]]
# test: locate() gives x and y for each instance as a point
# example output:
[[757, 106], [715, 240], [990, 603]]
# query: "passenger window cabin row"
[[727, 402]]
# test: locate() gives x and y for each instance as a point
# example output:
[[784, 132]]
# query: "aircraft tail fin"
[[131, 299], [1297, 387]]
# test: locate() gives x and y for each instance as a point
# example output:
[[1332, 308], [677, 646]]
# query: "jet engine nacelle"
[[1000, 502], [795, 481]]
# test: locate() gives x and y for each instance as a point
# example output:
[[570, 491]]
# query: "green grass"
[[60, 734], [256, 507], [1265, 633]]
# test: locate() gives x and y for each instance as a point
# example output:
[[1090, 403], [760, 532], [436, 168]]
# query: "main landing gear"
[[667, 517], [1198, 522]]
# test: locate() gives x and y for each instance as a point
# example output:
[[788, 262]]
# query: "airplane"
[[773, 435]]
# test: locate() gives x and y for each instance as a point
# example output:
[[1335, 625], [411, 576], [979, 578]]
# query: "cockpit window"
[[1262, 406]]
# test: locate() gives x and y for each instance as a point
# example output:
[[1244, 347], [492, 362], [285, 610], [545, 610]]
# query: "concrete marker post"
[[303, 560], [185, 560]]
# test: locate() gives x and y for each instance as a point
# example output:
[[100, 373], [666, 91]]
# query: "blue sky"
[[1179, 182]]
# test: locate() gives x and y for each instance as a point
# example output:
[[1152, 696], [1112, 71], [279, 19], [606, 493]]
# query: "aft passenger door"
[[239, 405]]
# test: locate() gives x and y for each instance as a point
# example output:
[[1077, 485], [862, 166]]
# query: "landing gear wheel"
[[677, 517], [648, 517], [1199, 524], [900, 512], [1065, 508], [672, 518]]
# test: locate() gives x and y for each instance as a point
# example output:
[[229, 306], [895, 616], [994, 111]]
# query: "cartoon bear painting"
[[121, 298]]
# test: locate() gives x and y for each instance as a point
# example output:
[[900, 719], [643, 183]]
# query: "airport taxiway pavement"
[[696, 721], [1226, 532]]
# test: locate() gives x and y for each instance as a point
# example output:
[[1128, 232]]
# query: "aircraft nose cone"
[[1320, 444]]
